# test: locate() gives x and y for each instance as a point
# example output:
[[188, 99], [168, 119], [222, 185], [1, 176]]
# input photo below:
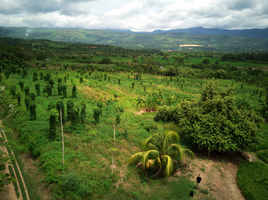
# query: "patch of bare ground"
[[144, 111], [31, 169], [218, 175]]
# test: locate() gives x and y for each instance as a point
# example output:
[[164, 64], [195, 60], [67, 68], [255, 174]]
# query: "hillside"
[[163, 40]]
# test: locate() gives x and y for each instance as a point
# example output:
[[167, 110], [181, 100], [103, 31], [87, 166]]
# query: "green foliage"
[[48, 89], [74, 95], [97, 114], [60, 106], [14, 183], [252, 180], [83, 112], [51, 82], [32, 111], [215, 122], [206, 61], [27, 90], [100, 105], [13, 90], [5, 178], [32, 96], [27, 101], [117, 119], [37, 88], [35, 77], [64, 90], [51, 106], [52, 123], [70, 105], [160, 153], [263, 155], [74, 117], [21, 84], [18, 95]]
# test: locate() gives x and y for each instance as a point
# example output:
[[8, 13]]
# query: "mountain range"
[[249, 33], [178, 39]]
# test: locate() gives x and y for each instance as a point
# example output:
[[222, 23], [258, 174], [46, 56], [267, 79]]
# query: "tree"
[[160, 153], [215, 122]]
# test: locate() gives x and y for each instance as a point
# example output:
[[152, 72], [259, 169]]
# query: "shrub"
[[74, 92], [52, 123], [27, 90], [37, 88], [252, 180], [21, 84]]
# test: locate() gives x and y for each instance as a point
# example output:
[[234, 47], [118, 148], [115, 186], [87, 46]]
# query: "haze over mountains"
[[199, 38]]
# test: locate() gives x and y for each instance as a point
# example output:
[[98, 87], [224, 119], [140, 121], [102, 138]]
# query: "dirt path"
[[10, 194], [218, 176]]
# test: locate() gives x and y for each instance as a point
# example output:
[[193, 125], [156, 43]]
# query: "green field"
[[115, 85]]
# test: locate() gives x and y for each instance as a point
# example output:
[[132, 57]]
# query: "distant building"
[[47, 59]]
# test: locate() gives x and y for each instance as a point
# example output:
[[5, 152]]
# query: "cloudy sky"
[[136, 15]]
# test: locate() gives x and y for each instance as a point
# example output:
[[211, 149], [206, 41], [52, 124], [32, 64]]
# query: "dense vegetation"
[[97, 93]]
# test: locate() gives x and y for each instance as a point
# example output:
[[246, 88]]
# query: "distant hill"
[[195, 38], [250, 33]]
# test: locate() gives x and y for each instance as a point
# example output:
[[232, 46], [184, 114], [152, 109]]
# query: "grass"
[[174, 189], [30, 184], [251, 178], [15, 184], [22, 188], [263, 155]]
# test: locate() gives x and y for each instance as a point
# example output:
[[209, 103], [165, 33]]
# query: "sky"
[[135, 15]]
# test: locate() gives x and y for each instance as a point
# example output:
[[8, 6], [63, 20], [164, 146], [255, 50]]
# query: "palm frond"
[[149, 144], [189, 153], [170, 137], [169, 166], [175, 151], [158, 165], [136, 158], [151, 154]]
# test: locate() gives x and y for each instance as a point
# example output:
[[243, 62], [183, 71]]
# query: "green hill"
[[163, 41]]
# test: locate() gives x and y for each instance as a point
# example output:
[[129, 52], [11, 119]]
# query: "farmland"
[[115, 95]]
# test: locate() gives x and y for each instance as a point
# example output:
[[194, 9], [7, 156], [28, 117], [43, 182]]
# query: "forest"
[[93, 121]]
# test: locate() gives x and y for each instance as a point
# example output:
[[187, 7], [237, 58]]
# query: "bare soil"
[[218, 176]]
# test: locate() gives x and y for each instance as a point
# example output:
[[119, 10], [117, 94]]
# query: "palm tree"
[[160, 153]]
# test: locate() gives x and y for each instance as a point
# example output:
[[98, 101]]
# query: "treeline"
[[261, 56], [249, 75]]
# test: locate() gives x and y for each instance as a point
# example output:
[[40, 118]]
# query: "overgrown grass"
[[164, 189], [22, 188], [263, 155], [14, 183], [252, 180], [30, 184]]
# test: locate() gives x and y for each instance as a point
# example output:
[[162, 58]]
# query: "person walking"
[[198, 180]]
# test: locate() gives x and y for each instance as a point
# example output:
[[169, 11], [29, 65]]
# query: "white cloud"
[[143, 15]]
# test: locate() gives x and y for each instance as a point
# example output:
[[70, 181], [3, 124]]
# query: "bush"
[[252, 180]]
